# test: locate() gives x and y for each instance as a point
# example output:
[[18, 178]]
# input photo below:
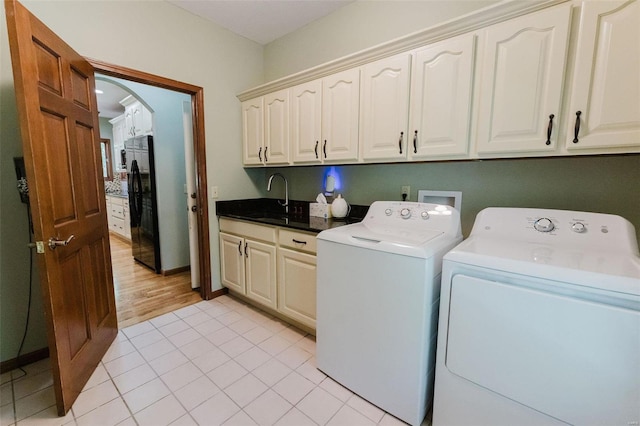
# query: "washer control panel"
[[411, 215]]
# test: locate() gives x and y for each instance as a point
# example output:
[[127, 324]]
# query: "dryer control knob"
[[388, 212], [579, 227], [405, 213], [424, 215], [543, 225]]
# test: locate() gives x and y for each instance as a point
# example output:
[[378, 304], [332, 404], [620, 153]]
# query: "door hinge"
[[38, 245]]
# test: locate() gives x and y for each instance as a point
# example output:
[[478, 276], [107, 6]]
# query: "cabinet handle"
[[265, 154], [415, 142], [316, 149], [400, 142], [260, 154], [298, 242], [240, 247], [245, 250], [324, 148], [549, 129], [576, 129]]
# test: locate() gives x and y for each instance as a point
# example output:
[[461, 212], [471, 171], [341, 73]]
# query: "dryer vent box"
[[447, 198]]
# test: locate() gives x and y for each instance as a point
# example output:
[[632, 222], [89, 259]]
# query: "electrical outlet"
[[406, 191], [214, 192]]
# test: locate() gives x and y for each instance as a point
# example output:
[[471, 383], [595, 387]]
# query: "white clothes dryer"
[[540, 322], [378, 288]]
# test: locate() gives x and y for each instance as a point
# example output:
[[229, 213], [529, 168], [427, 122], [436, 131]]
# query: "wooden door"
[[384, 114], [55, 94]]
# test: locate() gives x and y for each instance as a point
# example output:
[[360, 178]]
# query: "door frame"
[[197, 105]]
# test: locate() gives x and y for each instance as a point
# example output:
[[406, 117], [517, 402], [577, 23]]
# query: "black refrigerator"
[[143, 204]]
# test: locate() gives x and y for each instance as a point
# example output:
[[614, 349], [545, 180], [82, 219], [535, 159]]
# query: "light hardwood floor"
[[142, 294]]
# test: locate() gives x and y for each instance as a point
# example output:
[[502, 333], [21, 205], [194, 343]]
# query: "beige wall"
[[150, 36], [357, 26]]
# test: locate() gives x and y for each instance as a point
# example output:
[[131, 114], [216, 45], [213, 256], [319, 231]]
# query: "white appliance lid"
[[405, 228], [600, 270]]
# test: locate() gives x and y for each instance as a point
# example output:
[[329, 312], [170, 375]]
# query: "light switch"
[[214, 192]]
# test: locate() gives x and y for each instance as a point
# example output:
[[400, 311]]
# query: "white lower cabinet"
[[118, 216], [297, 276], [248, 266], [248, 260]]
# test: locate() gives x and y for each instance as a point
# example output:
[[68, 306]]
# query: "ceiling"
[[261, 20], [109, 101]]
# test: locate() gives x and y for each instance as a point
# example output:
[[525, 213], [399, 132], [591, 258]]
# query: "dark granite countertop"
[[267, 211]]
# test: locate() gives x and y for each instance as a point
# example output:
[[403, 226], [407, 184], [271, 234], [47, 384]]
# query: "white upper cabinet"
[[521, 85], [276, 128], [306, 122], [441, 95], [384, 110], [605, 97], [119, 136], [253, 131], [340, 114], [138, 119]]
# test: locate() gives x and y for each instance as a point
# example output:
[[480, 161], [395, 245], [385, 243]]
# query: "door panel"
[[59, 126]]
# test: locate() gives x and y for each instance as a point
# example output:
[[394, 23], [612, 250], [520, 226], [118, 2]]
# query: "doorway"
[[197, 108]]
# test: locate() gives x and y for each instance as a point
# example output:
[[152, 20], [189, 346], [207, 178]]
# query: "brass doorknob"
[[53, 242]]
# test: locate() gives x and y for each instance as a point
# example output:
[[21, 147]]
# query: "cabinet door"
[[297, 286], [232, 262], [340, 115], [606, 81], [252, 132], [384, 112], [306, 116], [441, 95], [276, 127], [261, 273], [522, 75]]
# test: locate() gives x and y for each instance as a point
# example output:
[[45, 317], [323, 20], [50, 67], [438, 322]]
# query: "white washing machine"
[[377, 303], [540, 322]]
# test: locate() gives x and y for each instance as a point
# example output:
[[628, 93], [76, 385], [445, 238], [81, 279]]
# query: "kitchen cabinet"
[[441, 99], [340, 116], [384, 113], [265, 129], [119, 136], [248, 260], [604, 102], [252, 131], [138, 120], [118, 216], [522, 72], [306, 122], [297, 276], [272, 266], [276, 128]]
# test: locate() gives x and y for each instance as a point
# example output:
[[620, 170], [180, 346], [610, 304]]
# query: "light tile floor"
[[215, 362]]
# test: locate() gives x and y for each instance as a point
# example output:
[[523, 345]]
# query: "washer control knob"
[[579, 227], [388, 212], [405, 213], [424, 215], [543, 225]]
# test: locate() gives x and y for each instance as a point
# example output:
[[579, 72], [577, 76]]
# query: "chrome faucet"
[[286, 191]]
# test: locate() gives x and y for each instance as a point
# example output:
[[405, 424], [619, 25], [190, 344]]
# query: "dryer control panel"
[[562, 227]]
